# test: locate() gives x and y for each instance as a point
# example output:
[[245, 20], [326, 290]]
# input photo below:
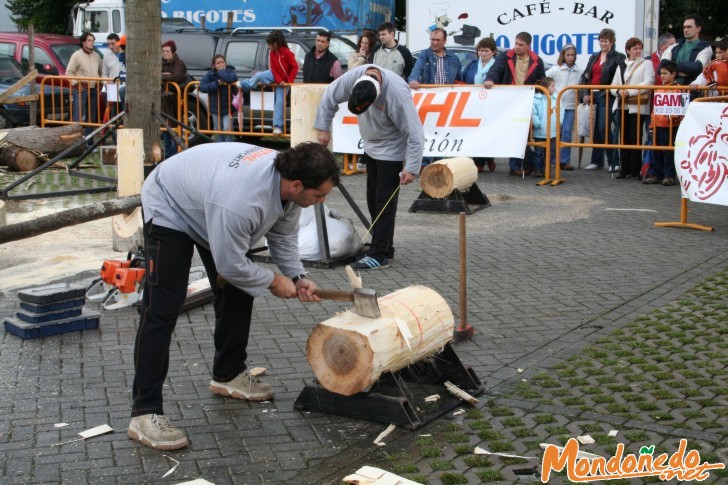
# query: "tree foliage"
[[48, 16], [715, 20]]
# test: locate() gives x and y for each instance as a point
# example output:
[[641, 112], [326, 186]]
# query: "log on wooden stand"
[[348, 353], [127, 228], [22, 145], [441, 178]]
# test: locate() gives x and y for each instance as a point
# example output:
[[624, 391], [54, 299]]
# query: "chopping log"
[[440, 179], [348, 353], [23, 144]]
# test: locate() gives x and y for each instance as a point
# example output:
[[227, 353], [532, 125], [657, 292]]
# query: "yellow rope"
[[380, 213]]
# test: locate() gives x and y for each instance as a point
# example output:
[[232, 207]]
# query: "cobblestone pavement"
[[563, 281]]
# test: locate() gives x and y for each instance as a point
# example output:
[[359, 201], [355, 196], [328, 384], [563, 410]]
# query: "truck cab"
[[101, 18]]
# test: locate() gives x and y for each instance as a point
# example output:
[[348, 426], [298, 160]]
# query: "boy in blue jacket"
[[539, 119]]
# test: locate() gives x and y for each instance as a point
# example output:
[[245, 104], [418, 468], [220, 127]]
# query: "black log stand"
[[470, 201], [399, 397]]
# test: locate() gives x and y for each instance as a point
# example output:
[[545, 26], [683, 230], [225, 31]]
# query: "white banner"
[[701, 153], [671, 103], [468, 121]]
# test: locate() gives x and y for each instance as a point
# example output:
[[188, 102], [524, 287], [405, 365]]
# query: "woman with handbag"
[[635, 104], [600, 71]]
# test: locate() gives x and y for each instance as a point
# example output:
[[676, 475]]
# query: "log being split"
[[348, 352], [440, 179]]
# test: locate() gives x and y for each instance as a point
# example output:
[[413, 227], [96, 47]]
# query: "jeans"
[[382, 181], [266, 77], [602, 121], [170, 147], [525, 163], [539, 156], [85, 108], [168, 260], [224, 120], [567, 133], [663, 162]]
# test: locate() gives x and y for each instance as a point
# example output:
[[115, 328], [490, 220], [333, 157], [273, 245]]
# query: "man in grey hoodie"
[[221, 199], [393, 141]]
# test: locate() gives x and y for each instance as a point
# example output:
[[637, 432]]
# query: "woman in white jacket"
[[566, 73], [635, 102]]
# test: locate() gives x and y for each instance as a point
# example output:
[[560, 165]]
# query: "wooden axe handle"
[[335, 295]]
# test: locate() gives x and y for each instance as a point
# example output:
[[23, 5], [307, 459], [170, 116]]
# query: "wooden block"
[[108, 155]]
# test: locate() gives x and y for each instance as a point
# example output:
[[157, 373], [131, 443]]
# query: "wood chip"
[[354, 280], [257, 371], [585, 439], [384, 434], [581, 454], [456, 391], [369, 475], [458, 412], [432, 398], [480, 451], [60, 425], [613, 433]]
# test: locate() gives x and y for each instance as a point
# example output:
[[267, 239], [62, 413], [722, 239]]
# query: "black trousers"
[[631, 159], [168, 261], [382, 181]]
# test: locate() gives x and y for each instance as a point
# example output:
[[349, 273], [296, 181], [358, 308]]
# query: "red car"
[[52, 52]]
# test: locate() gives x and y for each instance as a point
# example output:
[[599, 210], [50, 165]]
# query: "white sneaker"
[[155, 431], [244, 386], [361, 167], [614, 169], [593, 166], [277, 131]]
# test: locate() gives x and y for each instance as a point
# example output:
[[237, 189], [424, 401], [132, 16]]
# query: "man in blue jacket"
[[435, 65], [517, 66]]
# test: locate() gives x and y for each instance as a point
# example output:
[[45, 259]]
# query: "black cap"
[[365, 92]]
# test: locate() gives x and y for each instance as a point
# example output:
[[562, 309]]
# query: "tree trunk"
[[50, 141], [440, 179], [144, 71], [348, 352], [18, 158], [66, 218]]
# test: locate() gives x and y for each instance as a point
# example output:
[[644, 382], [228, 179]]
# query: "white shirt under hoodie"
[[226, 196]]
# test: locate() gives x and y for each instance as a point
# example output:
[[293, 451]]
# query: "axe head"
[[366, 303]]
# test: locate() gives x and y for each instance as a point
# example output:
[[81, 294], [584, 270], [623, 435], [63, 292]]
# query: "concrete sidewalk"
[[552, 272]]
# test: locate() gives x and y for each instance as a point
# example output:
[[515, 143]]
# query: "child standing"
[[539, 118], [662, 167], [715, 73]]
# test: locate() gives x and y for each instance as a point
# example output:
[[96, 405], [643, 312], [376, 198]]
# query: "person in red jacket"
[[282, 69]]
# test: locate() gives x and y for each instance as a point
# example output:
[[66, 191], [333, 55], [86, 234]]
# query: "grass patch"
[[441, 465], [404, 468], [490, 476], [426, 441], [430, 452], [544, 419], [490, 435], [457, 438], [500, 446], [453, 478], [463, 449], [477, 461], [512, 422]]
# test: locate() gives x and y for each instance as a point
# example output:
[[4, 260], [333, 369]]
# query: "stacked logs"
[[25, 149]]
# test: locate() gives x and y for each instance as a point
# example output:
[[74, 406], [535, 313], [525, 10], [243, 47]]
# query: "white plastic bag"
[[584, 120], [343, 239]]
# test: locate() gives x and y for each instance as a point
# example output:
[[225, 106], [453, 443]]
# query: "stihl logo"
[[449, 111]]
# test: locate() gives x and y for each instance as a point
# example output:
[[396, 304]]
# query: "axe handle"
[[335, 295]]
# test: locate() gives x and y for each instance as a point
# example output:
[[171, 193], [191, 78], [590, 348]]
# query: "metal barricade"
[[86, 107]]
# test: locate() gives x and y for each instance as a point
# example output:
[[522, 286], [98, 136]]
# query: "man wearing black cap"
[[393, 141]]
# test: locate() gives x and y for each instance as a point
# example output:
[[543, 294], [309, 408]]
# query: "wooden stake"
[[464, 330], [127, 229]]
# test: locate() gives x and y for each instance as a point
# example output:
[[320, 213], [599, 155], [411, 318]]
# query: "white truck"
[[552, 24], [102, 17]]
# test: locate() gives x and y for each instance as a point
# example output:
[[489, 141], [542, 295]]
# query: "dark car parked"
[[12, 114], [246, 49]]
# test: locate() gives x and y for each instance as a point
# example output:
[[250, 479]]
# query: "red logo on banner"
[[706, 163]]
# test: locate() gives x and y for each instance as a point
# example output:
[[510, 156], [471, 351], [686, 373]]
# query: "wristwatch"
[[299, 277]]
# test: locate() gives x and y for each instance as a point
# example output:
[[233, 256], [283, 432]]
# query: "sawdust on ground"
[[55, 255]]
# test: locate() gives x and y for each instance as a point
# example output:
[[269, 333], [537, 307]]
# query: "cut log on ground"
[[49, 141], [69, 217], [18, 158], [440, 179], [348, 353]]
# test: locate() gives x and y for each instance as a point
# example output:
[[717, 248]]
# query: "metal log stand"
[[469, 201], [399, 397]]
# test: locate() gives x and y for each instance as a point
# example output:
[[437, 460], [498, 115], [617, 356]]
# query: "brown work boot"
[[244, 386], [155, 431]]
